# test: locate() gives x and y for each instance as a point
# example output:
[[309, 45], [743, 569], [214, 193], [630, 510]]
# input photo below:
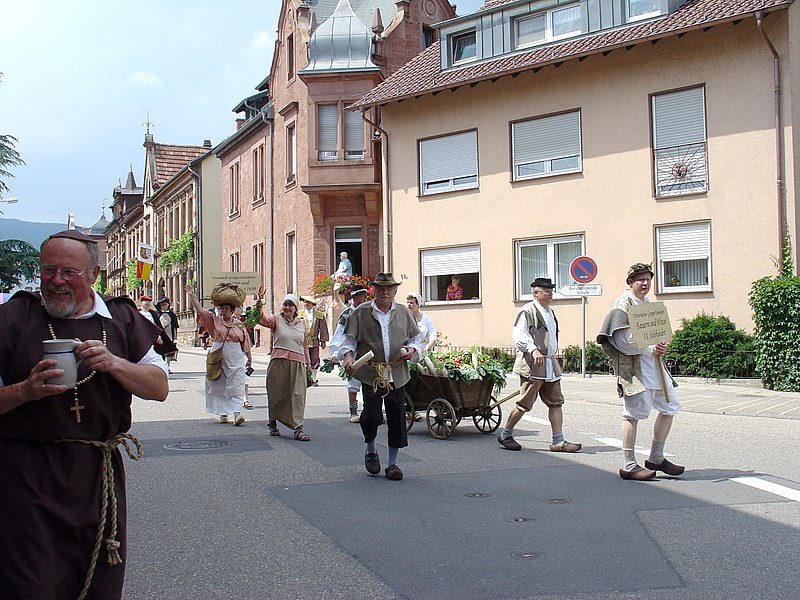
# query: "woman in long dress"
[[288, 372], [226, 394]]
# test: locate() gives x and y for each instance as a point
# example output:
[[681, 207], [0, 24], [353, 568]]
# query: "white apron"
[[225, 396]]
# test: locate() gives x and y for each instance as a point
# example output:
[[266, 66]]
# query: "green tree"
[[9, 157], [19, 262]]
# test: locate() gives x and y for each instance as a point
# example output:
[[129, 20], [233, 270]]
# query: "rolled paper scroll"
[[363, 360]]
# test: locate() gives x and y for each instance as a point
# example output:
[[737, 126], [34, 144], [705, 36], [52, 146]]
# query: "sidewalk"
[[741, 397]]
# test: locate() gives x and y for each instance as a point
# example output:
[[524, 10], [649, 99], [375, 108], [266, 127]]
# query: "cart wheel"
[[408, 407], [489, 420], [441, 418]]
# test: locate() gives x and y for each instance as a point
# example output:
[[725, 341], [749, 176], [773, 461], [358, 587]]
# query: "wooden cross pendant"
[[77, 408]]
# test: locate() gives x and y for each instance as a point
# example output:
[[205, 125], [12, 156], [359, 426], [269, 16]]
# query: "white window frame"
[[448, 163], [234, 189], [680, 142], [559, 138], [445, 262], [549, 36], [454, 39], [683, 241], [523, 282], [291, 152], [645, 15]]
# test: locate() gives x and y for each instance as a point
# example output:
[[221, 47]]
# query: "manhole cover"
[[477, 495], [520, 519], [526, 555], [199, 445], [557, 501]]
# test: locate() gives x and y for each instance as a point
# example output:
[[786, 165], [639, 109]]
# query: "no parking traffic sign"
[[583, 269]]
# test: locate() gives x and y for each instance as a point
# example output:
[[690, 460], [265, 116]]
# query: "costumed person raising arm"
[[288, 373], [225, 393], [59, 445]]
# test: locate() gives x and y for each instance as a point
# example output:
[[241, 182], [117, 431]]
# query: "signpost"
[[581, 289], [583, 270]]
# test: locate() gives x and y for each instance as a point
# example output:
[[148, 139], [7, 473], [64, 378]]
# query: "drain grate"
[[557, 501], [520, 519], [477, 495], [199, 445]]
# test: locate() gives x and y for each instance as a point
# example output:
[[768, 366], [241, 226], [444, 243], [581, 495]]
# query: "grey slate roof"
[[422, 75]]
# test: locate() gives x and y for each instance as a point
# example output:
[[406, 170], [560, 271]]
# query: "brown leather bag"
[[214, 364]]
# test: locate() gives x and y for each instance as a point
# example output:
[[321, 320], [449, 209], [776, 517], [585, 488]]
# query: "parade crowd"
[[60, 440]]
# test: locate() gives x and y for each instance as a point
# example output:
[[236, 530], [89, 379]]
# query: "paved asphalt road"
[[217, 511]]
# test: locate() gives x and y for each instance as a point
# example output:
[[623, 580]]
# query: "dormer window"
[[463, 47], [644, 9], [549, 26]]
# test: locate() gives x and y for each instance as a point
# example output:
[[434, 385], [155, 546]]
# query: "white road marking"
[[616, 443], [773, 407], [768, 486]]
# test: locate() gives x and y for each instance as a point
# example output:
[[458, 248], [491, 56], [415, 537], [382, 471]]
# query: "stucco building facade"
[[624, 130]]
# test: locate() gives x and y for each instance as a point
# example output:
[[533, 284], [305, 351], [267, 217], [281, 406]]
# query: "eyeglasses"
[[66, 274]]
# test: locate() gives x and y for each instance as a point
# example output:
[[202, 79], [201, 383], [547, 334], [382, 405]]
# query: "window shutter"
[[684, 242], [679, 118], [328, 125], [547, 138], [353, 132], [449, 261], [449, 157]]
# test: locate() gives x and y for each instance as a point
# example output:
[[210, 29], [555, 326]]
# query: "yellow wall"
[[611, 201]]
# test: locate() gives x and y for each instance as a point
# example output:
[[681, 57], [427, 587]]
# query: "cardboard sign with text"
[[248, 281], [649, 324]]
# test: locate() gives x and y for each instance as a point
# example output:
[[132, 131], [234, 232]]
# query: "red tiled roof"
[[422, 74], [171, 158]]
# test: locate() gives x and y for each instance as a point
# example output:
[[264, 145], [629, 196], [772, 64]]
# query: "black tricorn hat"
[[358, 289], [543, 282]]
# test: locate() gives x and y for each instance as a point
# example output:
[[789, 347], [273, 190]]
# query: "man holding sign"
[[635, 340]]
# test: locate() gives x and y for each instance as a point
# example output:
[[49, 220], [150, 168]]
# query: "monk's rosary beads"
[[77, 408]]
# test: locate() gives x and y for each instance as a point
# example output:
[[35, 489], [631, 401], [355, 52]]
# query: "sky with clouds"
[[79, 79]]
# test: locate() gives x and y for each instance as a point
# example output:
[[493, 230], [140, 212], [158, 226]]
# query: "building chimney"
[[206, 143]]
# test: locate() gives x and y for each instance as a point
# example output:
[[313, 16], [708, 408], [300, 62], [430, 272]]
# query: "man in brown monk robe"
[[55, 442]]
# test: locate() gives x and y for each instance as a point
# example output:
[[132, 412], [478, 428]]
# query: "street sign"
[[583, 270], [591, 289]]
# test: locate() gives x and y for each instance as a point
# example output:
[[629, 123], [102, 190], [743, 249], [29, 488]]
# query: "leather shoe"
[[565, 446], [666, 467], [373, 463], [637, 473], [394, 473], [509, 443]]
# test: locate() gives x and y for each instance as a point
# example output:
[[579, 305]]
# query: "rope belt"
[[383, 375], [108, 500]]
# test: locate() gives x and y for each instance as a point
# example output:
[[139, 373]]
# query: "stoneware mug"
[[63, 352]]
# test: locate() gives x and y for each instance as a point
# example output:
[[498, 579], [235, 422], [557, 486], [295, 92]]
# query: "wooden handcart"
[[446, 401]]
